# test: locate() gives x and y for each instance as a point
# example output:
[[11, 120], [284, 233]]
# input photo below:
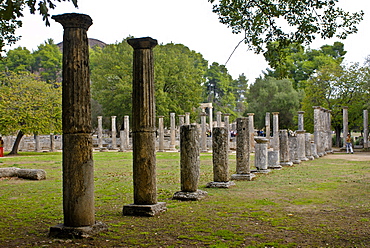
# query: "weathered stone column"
[[330, 133], [314, 149], [293, 149], [78, 165], [345, 124], [251, 131], [210, 109], [301, 138], [227, 125], [37, 143], [243, 170], [52, 143], [187, 118], [126, 122], [160, 134], [181, 120], [366, 128], [172, 131], [189, 164], [317, 129], [220, 159], [203, 135], [114, 133], [219, 121], [260, 156], [100, 132], [122, 139], [308, 148], [268, 127], [143, 131], [275, 131], [284, 151]]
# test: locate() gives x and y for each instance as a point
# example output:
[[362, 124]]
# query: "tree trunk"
[[16, 143]]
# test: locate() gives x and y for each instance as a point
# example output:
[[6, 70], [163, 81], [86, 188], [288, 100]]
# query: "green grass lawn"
[[319, 203]]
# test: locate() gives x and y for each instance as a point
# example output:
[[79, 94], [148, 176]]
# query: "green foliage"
[[271, 95], [261, 21], [18, 59], [240, 90], [29, 105]]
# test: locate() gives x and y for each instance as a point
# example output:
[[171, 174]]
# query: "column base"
[[62, 231], [304, 159], [190, 196], [264, 171], [286, 163], [311, 157], [220, 184], [144, 210], [245, 176], [296, 161]]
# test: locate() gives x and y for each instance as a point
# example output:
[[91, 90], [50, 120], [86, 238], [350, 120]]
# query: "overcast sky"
[[189, 22]]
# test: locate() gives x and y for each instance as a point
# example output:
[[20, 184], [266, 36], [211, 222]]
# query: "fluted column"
[[275, 132], [251, 131], [160, 134], [172, 131], [114, 132], [100, 132], [203, 135]]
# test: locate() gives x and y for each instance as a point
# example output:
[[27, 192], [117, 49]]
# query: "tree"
[[285, 21], [28, 106], [271, 95], [240, 90], [17, 60], [12, 10]]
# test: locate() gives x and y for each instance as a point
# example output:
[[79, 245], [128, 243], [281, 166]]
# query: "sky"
[[188, 22]]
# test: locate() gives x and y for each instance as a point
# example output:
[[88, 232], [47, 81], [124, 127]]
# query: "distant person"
[[1, 147], [349, 144]]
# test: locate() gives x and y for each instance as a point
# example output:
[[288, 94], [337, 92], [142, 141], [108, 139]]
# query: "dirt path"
[[357, 156]]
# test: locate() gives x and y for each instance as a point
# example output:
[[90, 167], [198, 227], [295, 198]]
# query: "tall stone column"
[[78, 164], [293, 149], [366, 128], [143, 131], [251, 131], [227, 126], [100, 132], [172, 131], [114, 133], [317, 130], [126, 122], [203, 135], [267, 127], [275, 131], [243, 170], [160, 134], [301, 138], [52, 143], [220, 159], [210, 109], [284, 150], [181, 121], [260, 156], [189, 164], [308, 148], [37, 143], [219, 121], [345, 124], [187, 118], [122, 138]]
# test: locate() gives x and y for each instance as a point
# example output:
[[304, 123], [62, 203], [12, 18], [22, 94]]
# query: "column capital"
[[203, 114], [345, 107], [250, 114], [316, 107], [301, 112], [160, 116], [181, 115], [73, 20], [226, 114], [142, 43], [100, 117], [275, 113]]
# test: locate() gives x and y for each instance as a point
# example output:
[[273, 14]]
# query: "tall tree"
[[16, 60], [240, 90], [28, 106]]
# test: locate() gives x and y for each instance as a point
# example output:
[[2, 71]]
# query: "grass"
[[318, 203]]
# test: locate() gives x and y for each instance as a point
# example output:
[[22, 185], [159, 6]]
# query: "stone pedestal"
[[243, 171], [220, 159], [308, 147], [143, 131], [273, 160], [260, 157], [78, 165], [284, 151], [293, 149]]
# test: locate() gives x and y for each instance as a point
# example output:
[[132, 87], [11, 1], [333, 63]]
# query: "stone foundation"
[[220, 184], [190, 196], [62, 231], [144, 210]]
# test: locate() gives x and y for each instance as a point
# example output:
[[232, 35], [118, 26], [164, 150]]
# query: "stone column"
[[301, 138], [345, 124], [172, 131], [308, 148], [317, 129], [267, 127], [187, 118], [243, 171], [181, 120], [78, 164], [260, 156], [37, 143], [220, 159], [160, 134], [52, 143], [122, 138], [275, 132], [143, 131], [203, 135], [219, 121], [314, 149], [251, 131], [210, 119], [293, 149], [126, 122], [114, 133], [284, 151], [100, 132], [189, 164], [227, 125], [366, 128]]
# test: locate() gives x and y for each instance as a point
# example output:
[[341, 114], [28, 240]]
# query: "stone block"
[[144, 210], [190, 196], [62, 231]]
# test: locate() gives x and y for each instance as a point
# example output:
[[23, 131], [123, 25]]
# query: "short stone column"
[[181, 120], [275, 132], [260, 156], [210, 109], [227, 125], [172, 131], [314, 149], [189, 164], [307, 145], [366, 128], [126, 123], [52, 143], [114, 133], [220, 159], [330, 132], [143, 131], [122, 139], [100, 132], [317, 129], [345, 124], [293, 149], [243, 170], [160, 134], [187, 118], [203, 135], [251, 131], [268, 127], [219, 120], [301, 138], [78, 164], [284, 151], [37, 143]]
